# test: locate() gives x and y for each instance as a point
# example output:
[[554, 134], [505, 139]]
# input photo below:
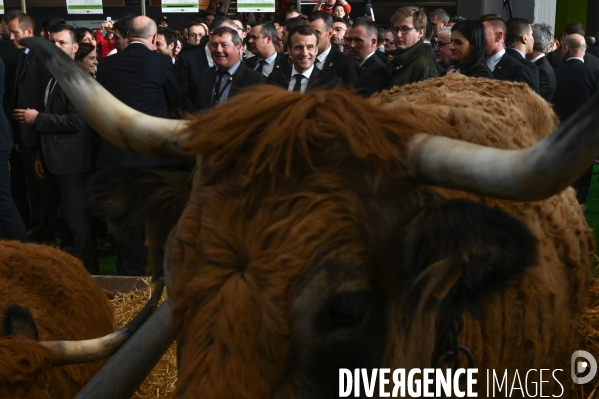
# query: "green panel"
[[570, 11]]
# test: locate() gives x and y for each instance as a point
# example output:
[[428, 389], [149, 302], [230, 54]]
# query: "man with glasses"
[[196, 30], [339, 30], [443, 51], [410, 61]]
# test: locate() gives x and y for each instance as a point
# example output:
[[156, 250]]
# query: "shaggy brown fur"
[[65, 304], [305, 196]]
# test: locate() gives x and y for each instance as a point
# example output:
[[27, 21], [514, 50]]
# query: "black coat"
[[6, 133], [343, 67], [478, 70], [512, 70], [530, 65], [10, 56], [145, 81], [556, 60], [30, 86], [546, 78], [190, 65], [280, 62], [576, 83], [374, 76], [65, 137], [318, 79], [244, 77]]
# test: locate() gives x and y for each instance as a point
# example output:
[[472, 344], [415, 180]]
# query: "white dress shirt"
[[493, 60], [322, 58], [304, 83]]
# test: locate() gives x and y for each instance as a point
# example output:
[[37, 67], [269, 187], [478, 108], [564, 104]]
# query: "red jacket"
[[346, 7], [104, 44]]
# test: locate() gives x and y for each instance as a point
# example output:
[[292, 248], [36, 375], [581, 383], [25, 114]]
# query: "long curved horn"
[[529, 174], [91, 350], [121, 125]]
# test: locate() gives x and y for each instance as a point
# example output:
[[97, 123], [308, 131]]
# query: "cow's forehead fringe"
[[271, 130]]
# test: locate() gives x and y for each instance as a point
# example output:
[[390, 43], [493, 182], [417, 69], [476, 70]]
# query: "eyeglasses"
[[404, 30], [440, 44], [339, 29]]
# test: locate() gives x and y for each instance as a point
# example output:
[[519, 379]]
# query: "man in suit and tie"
[[503, 66], [229, 75], [520, 43], [191, 63], [64, 156], [362, 40], [329, 59], [145, 81], [31, 81], [261, 42], [543, 38], [577, 82], [303, 74]]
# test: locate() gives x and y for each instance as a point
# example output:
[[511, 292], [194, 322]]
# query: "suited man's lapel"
[[208, 80], [23, 67], [501, 62], [238, 80], [314, 78], [329, 61]]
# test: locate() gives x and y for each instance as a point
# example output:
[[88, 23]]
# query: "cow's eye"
[[344, 310]]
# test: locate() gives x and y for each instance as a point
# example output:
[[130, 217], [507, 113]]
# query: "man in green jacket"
[[412, 62]]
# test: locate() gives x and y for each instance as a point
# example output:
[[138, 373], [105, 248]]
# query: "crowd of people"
[[47, 150]]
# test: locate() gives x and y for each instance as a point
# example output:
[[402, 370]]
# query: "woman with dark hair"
[[468, 49], [87, 57]]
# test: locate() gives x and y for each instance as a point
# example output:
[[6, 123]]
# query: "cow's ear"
[[18, 322], [462, 253]]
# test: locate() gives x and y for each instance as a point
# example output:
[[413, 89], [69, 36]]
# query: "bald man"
[[144, 80], [576, 84]]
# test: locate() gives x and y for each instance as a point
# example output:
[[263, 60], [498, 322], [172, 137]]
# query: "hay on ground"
[[161, 381]]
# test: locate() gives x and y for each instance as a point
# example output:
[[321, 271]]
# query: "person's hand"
[[28, 116], [451, 72], [39, 169], [104, 24]]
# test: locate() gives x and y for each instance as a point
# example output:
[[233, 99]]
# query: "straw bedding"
[[161, 382]]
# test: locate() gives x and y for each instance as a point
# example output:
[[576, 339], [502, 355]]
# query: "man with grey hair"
[[577, 82], [438, 19], [191, 63], [145, 81], [442, 49], [229, 75], [543, 37]]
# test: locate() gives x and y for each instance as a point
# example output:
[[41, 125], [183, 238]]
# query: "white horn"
[[529, 174]]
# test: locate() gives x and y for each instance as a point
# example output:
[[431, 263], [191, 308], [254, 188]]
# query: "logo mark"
[[580, 366]]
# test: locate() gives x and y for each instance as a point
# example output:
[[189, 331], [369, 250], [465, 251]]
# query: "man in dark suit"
[[576, 84], [303, 75], [329, 59], [229, 75], [191, 63], [30, 82], [144, 80], [362, 39], [520, 42], [543, 36], [555, 57], [64, 156], [503, 66], [261, 42], [10, 54]]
